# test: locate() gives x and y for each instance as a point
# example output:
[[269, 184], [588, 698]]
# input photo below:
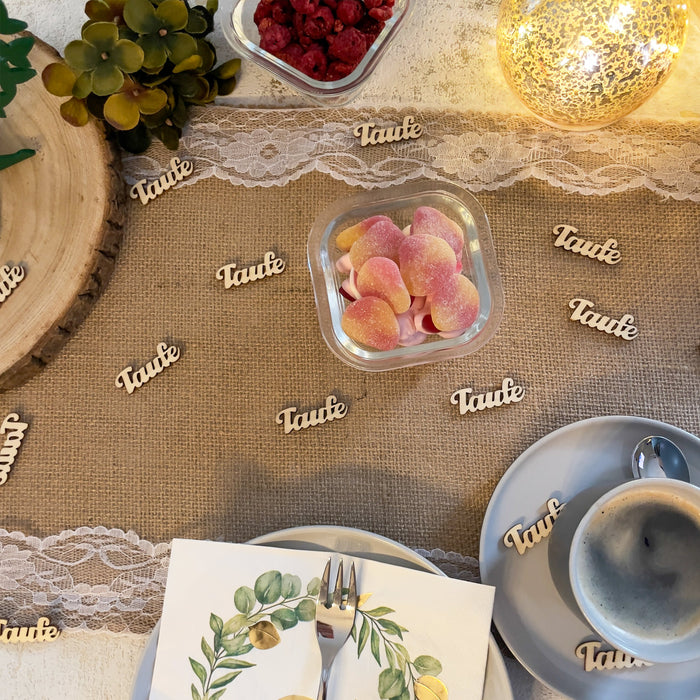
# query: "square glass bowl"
[[240, 31], [399, 203]]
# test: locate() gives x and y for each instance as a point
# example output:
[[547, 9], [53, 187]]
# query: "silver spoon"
[[658, 456]]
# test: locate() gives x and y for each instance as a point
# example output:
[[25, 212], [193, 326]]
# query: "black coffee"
[[640, 562]]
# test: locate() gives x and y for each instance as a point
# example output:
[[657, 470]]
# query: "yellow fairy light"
[[582, 64]]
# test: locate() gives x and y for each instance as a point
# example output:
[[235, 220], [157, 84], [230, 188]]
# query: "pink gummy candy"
[[348, 236], [381, 240], [425, 261], [454, 304], [380, 277], [435, 223], [371, 321]]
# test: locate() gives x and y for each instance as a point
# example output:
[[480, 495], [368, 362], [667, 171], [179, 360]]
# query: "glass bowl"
[[399, 203], [241, 32]]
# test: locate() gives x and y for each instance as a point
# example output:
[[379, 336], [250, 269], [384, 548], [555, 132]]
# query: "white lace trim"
[[266, 148], [95, 578]]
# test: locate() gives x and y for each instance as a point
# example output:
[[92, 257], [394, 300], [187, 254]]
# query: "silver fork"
[[334, 621]]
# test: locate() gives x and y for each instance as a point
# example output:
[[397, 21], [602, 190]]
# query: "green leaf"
[[173, 14], [374, 646], [180, 46], [364, 636], [199, 670], [137, 141], [244, 599], [75, 112], [306, 610], [238, 646], [17, 50], [140, 16], [226, 87], [106, 79], [234, 663], [225, 680], [151, 101], [196, 23], [207, 651], [154, 52], [284, 618], [228, 69], [313, 588], [58, 79], [391, 683], [391, 628], [8, 159], [235, 625], [291, 586], [427, 666], [217, 694], [216, 624], [191, 63], [170, 136], [378, 612], [195, 692], [207, 53], [405, 695], [402, 649], [82, 86], [390, 656], [212, 6], [268, 587], [127, 55], [7, 25], [81, 56], [102, 35]]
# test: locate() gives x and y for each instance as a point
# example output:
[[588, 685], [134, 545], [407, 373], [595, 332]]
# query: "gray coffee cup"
[[634, 569]]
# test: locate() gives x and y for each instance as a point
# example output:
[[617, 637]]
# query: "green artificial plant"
[[14, 70], [138, 66]]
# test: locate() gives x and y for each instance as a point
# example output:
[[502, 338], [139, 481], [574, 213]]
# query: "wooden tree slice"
[[60, 218]]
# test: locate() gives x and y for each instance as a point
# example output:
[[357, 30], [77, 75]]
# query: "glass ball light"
[[583, 64]]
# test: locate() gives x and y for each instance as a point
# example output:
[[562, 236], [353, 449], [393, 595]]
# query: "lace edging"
[[268, 148], [108, 579]]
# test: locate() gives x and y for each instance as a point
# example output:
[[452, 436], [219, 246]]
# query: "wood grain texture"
[[61, 215]]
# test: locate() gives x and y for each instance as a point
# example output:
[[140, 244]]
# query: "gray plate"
[[353, 543], [529, 611]]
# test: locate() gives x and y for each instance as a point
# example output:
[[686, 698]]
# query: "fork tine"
[[323, 593], [352, 588], [338, 592]]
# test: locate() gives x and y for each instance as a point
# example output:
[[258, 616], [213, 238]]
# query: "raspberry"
[[292, 54], [306, 7], [370, 28], [265, 24], [381, 14], [338, 70], [349, 46], [369, 4], [320, 23], [330, 3], [282, 11], [275, 38], [262, 11], [350, 12], [314, 63]]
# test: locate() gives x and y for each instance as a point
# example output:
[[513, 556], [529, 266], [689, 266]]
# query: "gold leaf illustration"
[[430, 688], [263, 635], [362, 599]]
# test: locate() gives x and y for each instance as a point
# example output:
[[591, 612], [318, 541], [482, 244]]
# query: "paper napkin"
[[238, 623]]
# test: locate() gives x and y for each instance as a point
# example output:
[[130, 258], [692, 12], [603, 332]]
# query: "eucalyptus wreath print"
[[276, 603], [402, 677]]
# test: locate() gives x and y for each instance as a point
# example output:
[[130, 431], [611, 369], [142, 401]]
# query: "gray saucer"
[[531, 610]]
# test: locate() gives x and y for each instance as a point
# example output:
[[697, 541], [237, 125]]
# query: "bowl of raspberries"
[[325, 49], [405, 277]]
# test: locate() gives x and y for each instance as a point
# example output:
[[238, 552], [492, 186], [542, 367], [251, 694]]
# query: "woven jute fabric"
[[197, 453]]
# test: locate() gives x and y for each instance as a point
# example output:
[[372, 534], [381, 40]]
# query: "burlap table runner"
[[197, 452]]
